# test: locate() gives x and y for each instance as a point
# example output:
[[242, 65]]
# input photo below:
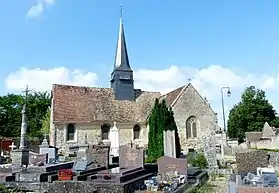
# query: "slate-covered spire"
[[121, 57], [122, 80]]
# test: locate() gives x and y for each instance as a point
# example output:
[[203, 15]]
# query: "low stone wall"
[[221, 171]]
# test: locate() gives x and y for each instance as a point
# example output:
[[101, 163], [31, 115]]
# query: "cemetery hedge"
[[250, 114], [160, 119], [10, 113]]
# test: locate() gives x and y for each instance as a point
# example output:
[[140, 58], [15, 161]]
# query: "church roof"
[[78, 104], [171, 96]]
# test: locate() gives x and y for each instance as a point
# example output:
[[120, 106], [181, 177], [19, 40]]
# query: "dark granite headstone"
[[130, 157], [249, 161], [169, 164], [98, 156]]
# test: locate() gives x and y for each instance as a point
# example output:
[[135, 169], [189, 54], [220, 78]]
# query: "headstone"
[[36, 159], [169, 164], [98, 156], [169, 143], [249, 161], [114, 141], [130, 157], [210, 151], [50, 151], [80, 165]]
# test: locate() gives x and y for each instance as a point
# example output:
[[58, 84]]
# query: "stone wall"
[[93, 132], [190, 104]]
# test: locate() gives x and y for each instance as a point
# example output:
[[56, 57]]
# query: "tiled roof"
[[253, 136], [87, 104], [172, 96]]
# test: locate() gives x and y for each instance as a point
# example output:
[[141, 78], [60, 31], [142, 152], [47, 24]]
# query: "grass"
[[206, 188], [265, 149]]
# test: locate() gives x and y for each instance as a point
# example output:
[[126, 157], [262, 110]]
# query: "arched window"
[[71, 130], [105, 131], [136, 132], [191, 127]]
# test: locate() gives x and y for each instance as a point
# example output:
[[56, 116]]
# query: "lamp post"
[[222, 98], [224, 117]]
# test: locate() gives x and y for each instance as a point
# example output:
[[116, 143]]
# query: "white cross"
[[12, 146]]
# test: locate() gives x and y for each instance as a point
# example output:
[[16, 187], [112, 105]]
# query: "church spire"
[[122, 81], [121, 57]]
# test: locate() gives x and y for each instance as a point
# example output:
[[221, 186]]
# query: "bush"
[[199, 161]]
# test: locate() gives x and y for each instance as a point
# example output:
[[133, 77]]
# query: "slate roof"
[[87, 104]]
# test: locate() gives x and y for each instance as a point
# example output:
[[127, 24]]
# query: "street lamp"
[[222, 98]]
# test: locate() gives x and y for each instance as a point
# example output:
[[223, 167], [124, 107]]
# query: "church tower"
[[122, 81]]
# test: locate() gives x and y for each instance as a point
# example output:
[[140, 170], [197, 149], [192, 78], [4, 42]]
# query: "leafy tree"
[[46, 122], [10, 113], [160, 119], [250, 113], [37, 105]]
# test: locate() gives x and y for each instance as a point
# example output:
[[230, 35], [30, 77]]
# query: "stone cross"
[[12, 146], [45, 136], [23, 122]]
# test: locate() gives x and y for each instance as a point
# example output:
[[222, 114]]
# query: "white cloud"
[[208, 81], [42, 80], [37, 9]]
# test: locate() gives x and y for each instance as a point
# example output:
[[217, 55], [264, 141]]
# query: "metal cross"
[[121, 11]]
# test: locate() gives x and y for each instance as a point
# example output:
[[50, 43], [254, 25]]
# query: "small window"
[[105, 131], [71, 132], [191, 127], [136, 132]]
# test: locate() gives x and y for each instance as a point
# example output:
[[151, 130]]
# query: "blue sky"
[[215, 43]]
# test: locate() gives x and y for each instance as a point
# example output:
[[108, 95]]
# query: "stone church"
[[81, 113]]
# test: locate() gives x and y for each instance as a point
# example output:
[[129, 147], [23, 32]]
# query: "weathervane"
[[189, 79]]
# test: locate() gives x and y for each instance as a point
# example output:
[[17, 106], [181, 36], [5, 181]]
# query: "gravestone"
[[169, 164], [169, 143], [130, 157], [249, 161], [209, 143], [98, 156], [37, 159], [80, 165], [50, 151]]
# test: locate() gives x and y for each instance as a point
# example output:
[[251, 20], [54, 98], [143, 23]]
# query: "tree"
[[46, 122], [160, 119], [154, 150], [37, 105], [10, 113], [250, 113]]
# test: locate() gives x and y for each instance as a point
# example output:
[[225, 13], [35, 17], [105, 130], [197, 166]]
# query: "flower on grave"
[[107, 176]]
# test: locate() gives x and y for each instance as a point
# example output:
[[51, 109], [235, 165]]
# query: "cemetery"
[[90, 169]]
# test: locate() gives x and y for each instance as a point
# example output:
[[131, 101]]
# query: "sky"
[[210, 43]]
